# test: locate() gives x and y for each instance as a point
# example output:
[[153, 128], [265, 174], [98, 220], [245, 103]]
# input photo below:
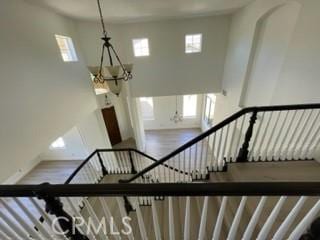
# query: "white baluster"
[[305, 222], [21, 221], [274, 154], [303, 154], [142, 227], [220, 165], [217, 228], [284, 227], [3, 236], [263, 234], [203, 221], [232, 139], [219, 149], [254, 219], [94, 218], [236, 221], [109, 216], [259, 151], [186, 230], [7, 230], [123, 214], [171, 220], [265, 154], [213, 156], [33, 219], [294, 133], [299, 137], [155, 219], [282, 155]]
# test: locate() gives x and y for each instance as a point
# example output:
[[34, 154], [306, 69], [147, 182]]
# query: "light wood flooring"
[[160, 143], [54, 172]]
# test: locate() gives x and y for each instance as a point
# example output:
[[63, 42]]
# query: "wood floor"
[[54, 172], [159, 143]]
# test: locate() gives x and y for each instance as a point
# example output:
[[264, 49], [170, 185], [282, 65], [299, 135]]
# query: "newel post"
[[55, 207], [244, 150], [103, 168]]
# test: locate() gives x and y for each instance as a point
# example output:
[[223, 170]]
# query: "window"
[[67, 50], [193, 43], [147, 108], [59, 143], [210, 100], [141, 47], [189, 106]]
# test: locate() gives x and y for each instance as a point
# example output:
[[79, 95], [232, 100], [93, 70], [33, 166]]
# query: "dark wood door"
[[110, 119]]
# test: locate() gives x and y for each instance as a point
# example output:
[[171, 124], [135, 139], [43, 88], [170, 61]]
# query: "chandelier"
[[176, 117], [109, 75]]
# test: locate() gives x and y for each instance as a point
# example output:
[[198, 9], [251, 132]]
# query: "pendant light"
[[110, 74], [176, 117]]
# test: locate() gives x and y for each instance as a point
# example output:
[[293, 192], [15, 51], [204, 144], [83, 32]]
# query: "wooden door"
[[110, 119]]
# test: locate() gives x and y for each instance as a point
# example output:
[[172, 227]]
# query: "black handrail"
[[165, 189], [219, 126], [74, 173]]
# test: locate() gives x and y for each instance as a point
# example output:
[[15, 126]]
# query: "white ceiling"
[[139, 10]]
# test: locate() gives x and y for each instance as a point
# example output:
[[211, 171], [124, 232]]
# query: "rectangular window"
[[189, 106], [210, 100], [66, 47], [147, 108], [59, 143], [193, 43], [140, 47]]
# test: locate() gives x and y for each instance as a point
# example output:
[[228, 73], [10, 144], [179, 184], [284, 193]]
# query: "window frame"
[[192, 50], [196, 107], [70, 51], [147, 47]]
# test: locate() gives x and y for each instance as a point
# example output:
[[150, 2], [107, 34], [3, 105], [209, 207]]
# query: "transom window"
[[140, 47], [66, 47], [147, 108], [59, 143], [189, 106], [193, 43]]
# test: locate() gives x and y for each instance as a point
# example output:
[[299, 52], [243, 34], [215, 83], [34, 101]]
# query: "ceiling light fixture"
[[110, 74]]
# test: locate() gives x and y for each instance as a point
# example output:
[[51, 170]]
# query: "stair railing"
[[227, 210], [270, 133]]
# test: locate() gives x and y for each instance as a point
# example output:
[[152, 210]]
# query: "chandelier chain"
[[101, 19]]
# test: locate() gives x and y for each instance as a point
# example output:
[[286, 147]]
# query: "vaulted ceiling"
[[140, 10]]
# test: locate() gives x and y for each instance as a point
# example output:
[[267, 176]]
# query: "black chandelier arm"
[[101, 60], [118, 59]]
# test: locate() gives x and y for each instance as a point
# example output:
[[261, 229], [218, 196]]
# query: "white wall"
[[41, 96], [298, 80], [168, 70], [164, 109], [74, 148], [272, 38], [81, 140]]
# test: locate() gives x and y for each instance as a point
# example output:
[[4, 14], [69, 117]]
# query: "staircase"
[[176, 197]]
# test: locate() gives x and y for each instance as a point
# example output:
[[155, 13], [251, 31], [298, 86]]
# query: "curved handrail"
[[75, 172], [219, 126]]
